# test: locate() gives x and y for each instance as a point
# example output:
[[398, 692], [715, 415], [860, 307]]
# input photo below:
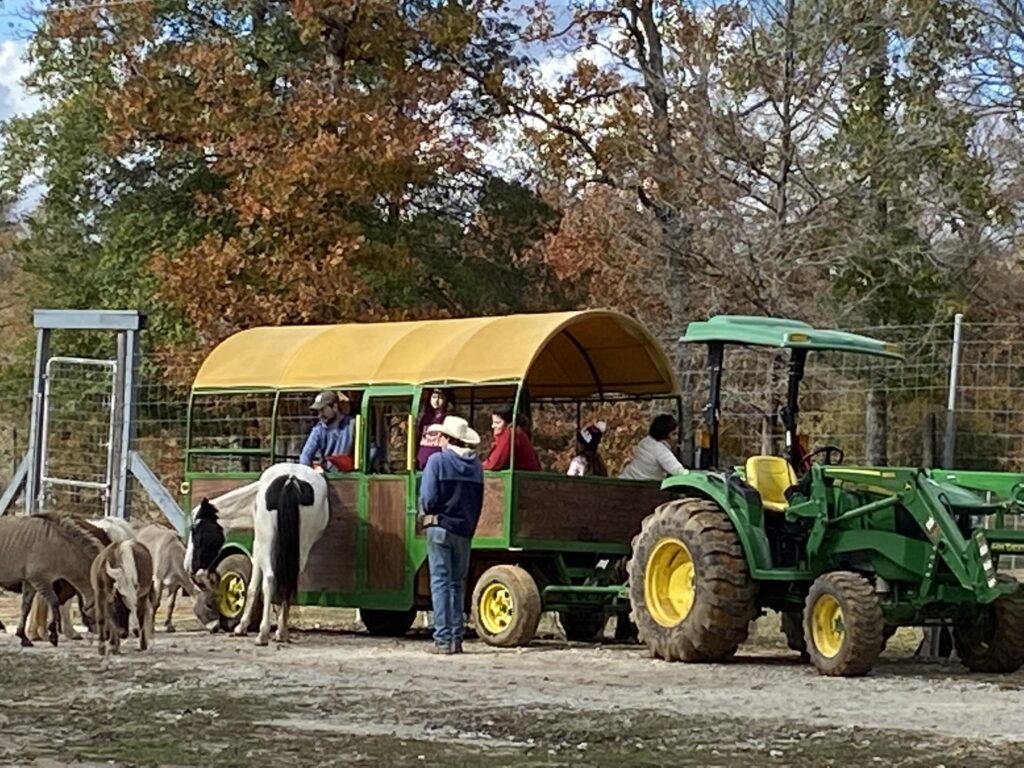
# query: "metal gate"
[[76, 447]]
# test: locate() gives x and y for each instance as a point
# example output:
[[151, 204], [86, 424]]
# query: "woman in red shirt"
[[509, 439]]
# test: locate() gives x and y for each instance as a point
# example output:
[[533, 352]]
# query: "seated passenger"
[[331, 438], [509, 439], [653, 458], [429, 441], [587, 460]]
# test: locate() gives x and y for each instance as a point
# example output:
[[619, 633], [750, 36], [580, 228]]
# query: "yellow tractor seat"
[[771, 476]]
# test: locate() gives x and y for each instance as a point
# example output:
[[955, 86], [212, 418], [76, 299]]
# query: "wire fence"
[[840, 397]]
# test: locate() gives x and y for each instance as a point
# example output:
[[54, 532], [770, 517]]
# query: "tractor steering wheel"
[[827, 451]]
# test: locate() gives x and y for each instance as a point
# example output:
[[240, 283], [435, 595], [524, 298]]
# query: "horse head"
[[204, 544]]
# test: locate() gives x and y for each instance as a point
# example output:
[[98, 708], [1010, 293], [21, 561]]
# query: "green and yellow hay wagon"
[[545, 542]]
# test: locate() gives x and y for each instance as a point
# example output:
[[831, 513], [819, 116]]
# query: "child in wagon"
[[587, 460]]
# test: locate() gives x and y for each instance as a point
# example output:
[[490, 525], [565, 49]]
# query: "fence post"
[[949, 440]]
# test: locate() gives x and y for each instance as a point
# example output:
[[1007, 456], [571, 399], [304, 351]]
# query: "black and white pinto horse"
[[289, 515]]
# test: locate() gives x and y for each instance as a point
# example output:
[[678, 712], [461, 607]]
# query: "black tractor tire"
[[232, 567], [720, 598], [792, 625], [506, 606], [382, 623], [582, 626], [996, 644], [858, 641]]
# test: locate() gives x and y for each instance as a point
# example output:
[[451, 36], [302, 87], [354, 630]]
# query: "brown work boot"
[[439, 650]]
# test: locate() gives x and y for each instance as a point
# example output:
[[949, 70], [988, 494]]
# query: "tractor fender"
[[712, 486]]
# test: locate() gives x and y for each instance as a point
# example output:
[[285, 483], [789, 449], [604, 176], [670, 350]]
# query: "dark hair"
[[503, 411], [662, 426]]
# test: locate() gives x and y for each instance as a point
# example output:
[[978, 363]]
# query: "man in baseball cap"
[[331, 438]]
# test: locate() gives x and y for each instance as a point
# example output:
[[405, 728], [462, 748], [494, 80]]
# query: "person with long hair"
[[510, 439], [437, 407]]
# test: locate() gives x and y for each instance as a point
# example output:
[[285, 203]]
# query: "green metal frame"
[[921, 533], [581, 587]]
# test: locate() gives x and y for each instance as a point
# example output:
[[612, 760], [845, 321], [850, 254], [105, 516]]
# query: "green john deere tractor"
[[845, 553]]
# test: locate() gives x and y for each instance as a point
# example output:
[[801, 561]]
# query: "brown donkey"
[[35, 626], [38, 551], [122, 579]]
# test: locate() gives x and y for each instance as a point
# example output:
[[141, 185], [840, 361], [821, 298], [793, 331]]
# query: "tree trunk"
[[876, 426]]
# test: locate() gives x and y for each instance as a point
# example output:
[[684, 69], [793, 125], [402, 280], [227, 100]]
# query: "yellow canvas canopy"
[[559, 354]]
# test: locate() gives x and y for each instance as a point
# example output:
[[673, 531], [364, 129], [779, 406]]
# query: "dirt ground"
[[336, 696]]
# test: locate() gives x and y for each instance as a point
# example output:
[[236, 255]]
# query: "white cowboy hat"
[[456, 428]]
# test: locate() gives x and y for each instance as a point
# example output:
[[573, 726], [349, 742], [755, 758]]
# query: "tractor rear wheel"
[[506, 606], [793, 628], [691, 593], [995, 643], [387, 623], [843, 624]]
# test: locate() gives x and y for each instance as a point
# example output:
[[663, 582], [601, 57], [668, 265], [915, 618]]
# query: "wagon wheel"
[[233, 574], [506, 606]]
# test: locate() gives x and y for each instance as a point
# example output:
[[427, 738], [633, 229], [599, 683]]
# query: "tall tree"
[[250, 161]]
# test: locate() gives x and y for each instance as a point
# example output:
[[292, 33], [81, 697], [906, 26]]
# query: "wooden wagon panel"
[[332, 561], [577, 509], [385, 546]]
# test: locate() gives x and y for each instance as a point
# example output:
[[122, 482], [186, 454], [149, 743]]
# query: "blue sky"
[[15, 29]]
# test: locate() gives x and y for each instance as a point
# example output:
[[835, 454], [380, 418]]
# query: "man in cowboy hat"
[[451, 497], [332, 435]]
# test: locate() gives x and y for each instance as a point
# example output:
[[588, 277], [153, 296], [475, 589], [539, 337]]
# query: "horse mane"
[[70, 532]]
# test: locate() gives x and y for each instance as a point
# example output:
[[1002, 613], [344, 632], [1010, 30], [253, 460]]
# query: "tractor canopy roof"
[[782, 333]]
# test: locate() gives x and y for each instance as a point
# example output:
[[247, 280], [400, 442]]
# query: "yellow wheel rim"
[[669, 591], [827, 628], [231, 594], [496, 608]]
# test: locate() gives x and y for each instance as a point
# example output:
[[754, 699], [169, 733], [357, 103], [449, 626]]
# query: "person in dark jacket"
[[451, 497]]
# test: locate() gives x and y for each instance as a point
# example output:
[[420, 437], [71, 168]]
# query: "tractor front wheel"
[[994, 643], [690, 589], [843, 624], [506, 606]]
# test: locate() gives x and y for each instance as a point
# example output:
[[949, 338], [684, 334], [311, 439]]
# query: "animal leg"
[[168, 622], [268, 595], [145, 622], [54, 629], [70, 632], [35, 625], [252, 593], [282, 621], [28, 592]]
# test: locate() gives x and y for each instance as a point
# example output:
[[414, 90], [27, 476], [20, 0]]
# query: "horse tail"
[[286, 551], [126, 578]]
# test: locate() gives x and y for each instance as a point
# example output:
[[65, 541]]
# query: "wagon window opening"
[[388, 444], [295, 420], [230, 432], [555, 424]]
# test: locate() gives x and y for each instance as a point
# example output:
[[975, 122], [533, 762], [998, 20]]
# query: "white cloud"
[[14, 98]]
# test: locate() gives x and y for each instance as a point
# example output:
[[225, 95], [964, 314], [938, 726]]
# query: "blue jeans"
[[448, 555]]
